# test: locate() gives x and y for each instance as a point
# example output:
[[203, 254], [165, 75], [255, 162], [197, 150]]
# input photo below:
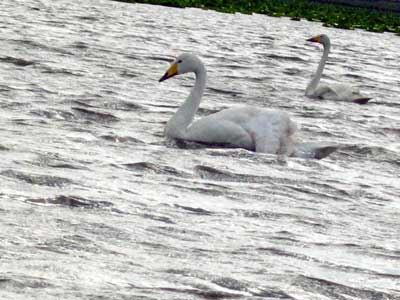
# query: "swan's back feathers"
[[340, 92], [252, 128]]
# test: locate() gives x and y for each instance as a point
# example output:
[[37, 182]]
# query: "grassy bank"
[[339, 16]]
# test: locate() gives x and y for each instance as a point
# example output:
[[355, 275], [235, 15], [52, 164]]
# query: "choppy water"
[[95, 204]]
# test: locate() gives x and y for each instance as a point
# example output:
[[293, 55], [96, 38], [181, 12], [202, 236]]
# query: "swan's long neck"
[[178, 124], [315, 81]]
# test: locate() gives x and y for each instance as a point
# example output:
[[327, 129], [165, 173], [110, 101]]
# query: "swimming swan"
[[256, 129], [332, 91]]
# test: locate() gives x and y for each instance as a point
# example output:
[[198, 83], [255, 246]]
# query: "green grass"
[[331, 15]]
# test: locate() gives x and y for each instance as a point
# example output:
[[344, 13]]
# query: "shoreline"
[[337, 15]]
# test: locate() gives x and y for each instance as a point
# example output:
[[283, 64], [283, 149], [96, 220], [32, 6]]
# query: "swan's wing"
[[272, 142], [345, 91], [342, 92], [216, 130], [272, 132], [324, 91], [251, 128]]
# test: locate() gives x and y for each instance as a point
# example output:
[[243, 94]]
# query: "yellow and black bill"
[[315, 39], [171, 72]]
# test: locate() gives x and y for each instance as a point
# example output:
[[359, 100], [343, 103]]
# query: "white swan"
[[251, 128], [337, 91]]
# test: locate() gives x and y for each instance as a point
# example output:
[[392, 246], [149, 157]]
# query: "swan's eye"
[[179, 61]]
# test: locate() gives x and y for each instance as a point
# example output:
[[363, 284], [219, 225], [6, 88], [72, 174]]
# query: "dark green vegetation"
[[389, 5], [332, 15]]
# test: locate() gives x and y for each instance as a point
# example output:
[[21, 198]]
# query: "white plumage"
[[252, 128], [257, 129], [336, 91]]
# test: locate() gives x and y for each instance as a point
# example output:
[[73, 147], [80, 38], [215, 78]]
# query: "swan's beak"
[[172, 71], [315, 39]]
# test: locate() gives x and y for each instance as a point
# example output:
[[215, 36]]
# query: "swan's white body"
[[257, 129], [337, 91], [251, 128]]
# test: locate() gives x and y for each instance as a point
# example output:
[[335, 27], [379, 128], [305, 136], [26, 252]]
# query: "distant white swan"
[[257, 129], [336, 91]]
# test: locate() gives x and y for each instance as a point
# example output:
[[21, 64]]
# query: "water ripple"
[[96, 204]]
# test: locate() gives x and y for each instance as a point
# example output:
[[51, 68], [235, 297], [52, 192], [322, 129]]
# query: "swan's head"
[[321, 38], [184, 63]]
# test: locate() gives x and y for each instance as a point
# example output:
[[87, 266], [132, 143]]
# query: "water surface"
[[96, 204]]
